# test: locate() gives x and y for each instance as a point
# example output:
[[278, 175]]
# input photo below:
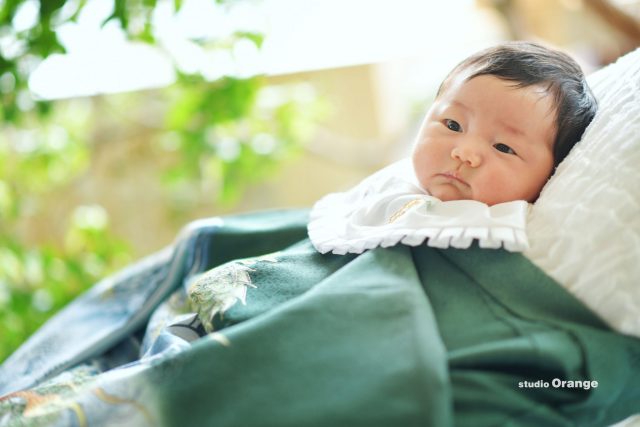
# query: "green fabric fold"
[[360, 348], [504, 322]]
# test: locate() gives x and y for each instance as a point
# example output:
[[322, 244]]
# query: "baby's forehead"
[[465, 82]]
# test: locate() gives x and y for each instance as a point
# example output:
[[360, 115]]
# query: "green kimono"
[[243, 323]]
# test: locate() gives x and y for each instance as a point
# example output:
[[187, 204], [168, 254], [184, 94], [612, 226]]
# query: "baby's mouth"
[[453, 175]]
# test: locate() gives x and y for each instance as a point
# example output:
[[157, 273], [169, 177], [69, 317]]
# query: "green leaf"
[[120, 13], [230, 98], [79, 6], [8, 11], [147, 34], [48, 7], [256, 38]]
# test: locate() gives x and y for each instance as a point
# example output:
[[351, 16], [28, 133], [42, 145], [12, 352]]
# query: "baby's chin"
[[492, 202], [447, 193]]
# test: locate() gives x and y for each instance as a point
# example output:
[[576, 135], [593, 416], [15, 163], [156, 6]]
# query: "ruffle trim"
[[511, 239]]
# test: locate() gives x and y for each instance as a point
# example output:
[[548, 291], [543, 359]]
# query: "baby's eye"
[[504, 148], [452, 125]]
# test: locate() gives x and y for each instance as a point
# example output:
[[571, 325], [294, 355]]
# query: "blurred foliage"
[[224, 133], [38, 279], [234, 133]]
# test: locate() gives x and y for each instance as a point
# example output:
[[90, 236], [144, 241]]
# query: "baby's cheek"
[[498, 188], [425, 153], [420, 166]]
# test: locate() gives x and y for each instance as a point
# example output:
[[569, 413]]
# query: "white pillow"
[[584, 230]]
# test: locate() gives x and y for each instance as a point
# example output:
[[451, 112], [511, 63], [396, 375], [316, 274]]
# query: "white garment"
[[389, 207]]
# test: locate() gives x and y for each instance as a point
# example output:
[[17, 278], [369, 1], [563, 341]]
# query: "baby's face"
[[485, 140]]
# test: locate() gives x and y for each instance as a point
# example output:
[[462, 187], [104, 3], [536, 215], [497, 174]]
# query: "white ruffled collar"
[[389, 207]]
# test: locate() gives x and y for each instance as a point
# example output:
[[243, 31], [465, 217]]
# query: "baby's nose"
[[467, 155]]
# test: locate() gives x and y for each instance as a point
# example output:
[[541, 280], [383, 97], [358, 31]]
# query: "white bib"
[[389, 207]]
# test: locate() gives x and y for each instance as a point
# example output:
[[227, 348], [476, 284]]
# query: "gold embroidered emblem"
[[404, 209], [220, 288]]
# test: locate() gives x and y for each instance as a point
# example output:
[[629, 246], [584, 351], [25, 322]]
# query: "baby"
[[503, 119], [501, 122]]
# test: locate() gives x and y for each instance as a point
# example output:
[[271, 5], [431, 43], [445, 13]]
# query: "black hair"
[[527, 64]]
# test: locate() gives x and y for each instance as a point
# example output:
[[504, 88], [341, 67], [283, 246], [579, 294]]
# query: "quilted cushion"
[[584, 230]]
